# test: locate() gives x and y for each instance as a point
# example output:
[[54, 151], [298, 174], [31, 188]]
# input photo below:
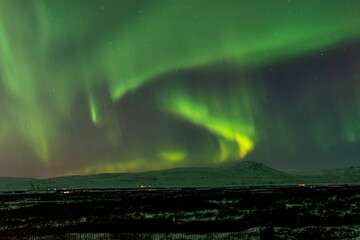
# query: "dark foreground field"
[[231, 213]]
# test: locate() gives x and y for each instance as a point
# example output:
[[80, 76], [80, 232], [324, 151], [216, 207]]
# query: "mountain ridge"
[[235, 174]]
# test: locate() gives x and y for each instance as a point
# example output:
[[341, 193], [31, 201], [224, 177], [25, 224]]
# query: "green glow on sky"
[[111, 167], [173, 156], [205, 33], [94, 110], [67, 66], [228, 115]]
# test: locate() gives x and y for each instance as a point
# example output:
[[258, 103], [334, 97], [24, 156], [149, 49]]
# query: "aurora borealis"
[[115, 86]]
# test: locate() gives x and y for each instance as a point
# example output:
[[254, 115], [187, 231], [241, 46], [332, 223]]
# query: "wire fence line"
[[252, 233]]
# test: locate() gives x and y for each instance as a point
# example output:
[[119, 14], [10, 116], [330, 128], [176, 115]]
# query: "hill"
[[237, 174], [349, 175]]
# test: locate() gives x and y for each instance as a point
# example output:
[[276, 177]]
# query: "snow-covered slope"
[[14, 184], [350, 175], [242, 173]]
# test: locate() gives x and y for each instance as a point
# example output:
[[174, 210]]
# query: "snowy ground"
[[244, 201], [282, 212]]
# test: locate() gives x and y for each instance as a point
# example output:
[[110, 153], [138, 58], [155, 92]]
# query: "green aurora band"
[[55, 53]]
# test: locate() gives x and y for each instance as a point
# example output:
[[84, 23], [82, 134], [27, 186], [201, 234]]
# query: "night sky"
[[116, 86]]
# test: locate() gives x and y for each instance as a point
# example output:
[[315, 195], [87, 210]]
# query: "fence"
[[253, 233]]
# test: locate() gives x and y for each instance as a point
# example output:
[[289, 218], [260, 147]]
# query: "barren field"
[[244, 213]]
